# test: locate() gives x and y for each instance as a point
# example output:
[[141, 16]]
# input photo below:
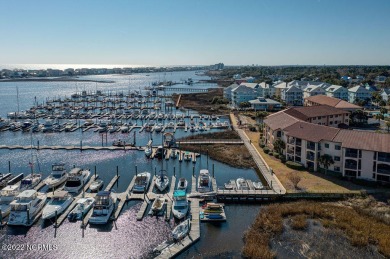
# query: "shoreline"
[[59, 79]]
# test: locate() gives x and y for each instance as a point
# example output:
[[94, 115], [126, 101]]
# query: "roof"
[[311, 132], [293, 88], [242, 88], [304, 113], [386, 90], [334, 88], [279, 120], [365, 140], [331, 101], [60, 194], [358, 88], [230, 87], [251, 85], [264, 101], [27, 193], [312, 88]]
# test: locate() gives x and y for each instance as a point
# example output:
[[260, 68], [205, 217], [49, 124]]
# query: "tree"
[[326, 160], [388, 126], [261, 115], [245, 105], [294, 178], [279, 145], [383, 110], [379, 116]]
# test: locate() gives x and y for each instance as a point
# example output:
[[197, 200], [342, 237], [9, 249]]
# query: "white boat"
[[96, 185], [162, 181], [7, 195], [231, 185], [124, 129], [30, 181], [103, 207], [242, 184], [173, 153], [187, 156], [258, 185], [148, 151], [180, 204], [142, 182], [57, 204], [83, 205], [76, 179], [182, 184], [181, 230], [158, 204], [204, 181], [158, 127], [57, 177], [181, 123], [26, 207]]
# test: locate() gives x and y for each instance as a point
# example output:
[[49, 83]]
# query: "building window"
[[337, 147], [359, 173], [336, 158], [374, 167], [331, 116], [326, 145]]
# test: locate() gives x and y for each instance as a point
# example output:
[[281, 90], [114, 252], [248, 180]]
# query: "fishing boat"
[[162, 181], [142, 181], [76, 179], [83, 205], [7, 195], [158, 204], [258, 185], [57, 205], [57, 177], [182, 184], [103, 207], [96, 185], [26, 207], [180, 204], [231, 185], [30, 181], [242, 184], [181, 230], [204, 181]]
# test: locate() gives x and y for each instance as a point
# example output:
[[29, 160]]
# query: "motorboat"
[[103, 207], [30, 181], [142, 181], [162, 181], [76, 179], [173, 153], [7, 195], [242, 184], [96, 185], [181, 123], [213, 211], [258, 185], [148, 151], [124, 129], [57, 204], [159, 152], [83, 205], [180, 204], [158, 204], [48, 126], [231, 185], [182, 184], [204, 181], [181, 230], [57, 177], [25, 209], [187, 156], [158, 127]]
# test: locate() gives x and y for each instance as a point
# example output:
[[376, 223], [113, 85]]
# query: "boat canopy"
[[60, 194], [179, 193]]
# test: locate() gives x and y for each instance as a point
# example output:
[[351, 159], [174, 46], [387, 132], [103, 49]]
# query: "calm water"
[[127, 238]]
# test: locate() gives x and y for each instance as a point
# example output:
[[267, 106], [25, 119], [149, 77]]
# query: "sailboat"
[[33, 179], [162, 181]]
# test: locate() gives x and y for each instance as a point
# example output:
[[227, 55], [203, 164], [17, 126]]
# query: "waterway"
[[126, 238]]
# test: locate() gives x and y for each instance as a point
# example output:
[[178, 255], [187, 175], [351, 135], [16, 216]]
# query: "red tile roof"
[[331, 101], [311, 132], [304, 113], [365, 140], [279, 120]]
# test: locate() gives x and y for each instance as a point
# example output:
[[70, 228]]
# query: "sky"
[[178, 32]]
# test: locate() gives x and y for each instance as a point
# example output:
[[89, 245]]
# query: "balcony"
[[298, 142], [351, 153], [350, 165], [311, 146], [384, 157]]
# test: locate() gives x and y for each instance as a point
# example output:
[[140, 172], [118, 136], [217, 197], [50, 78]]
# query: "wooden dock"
[[111, 184], [142, 210], [169, 198]]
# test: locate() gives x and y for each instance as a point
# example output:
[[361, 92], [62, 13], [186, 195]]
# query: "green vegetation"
[[326, 160], [294, 165]]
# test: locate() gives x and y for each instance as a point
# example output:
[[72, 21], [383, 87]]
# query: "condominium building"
[[331, 101]]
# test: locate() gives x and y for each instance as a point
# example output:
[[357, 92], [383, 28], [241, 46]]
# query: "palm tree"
[[326, 160], [261, 115], [388, 126], [279, 145], [379, 116]]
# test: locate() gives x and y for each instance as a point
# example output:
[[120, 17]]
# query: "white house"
[[242, 93], [337, 91], [227, 92], [385, 94], [358, 92], [313, 90], [292, 95]]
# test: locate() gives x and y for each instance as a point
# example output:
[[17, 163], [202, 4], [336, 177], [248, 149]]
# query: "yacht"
[[182, 184], [258, 185], [7, 195], [83, 205], [173, 153], [148, 151], [103, 207], [204, 181], [25, 209], [96, 185], [242, 184], [159, 152], [158, 205], [30, 181], [142, 181], [180, 204], [158, 127], [76, 179], [57, 177], [57, 204], [162, 181], [187, 156], [181, 230]]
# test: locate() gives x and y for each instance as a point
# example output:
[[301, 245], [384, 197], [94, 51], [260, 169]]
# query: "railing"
[[311, 147], [350, 166]]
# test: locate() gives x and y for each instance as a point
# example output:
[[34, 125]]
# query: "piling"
[[81, 146], [1, 218], [28, 216], [193, 171], [207, 158], [95, 171], [174, 171], [155, 170], [102, 140], [213, 171], [136, 170], [117, 171], [56, 217], [38, 144], [9, 166]]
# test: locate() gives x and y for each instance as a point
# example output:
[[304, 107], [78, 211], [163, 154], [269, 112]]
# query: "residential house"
[[265, 104], [358, 92], [292, 95], [380, 79], [242, 93], [313, 90], [337, 91], [385, 94], [227, 92]]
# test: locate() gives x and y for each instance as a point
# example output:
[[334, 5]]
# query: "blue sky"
[[170, 32]]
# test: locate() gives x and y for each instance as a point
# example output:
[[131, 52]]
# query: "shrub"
[[276, 154], [294, 165], [282, 159], [266, 150], [271, 153], [262, 145]]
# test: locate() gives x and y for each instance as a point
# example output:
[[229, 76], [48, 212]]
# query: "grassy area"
[[360, 229], [226, 134], [202, 102]]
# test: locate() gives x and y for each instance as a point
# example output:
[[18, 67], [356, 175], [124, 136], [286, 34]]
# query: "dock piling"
[[95, 171], [174, 171], [117, 170], [136, 170], [81, 146], [193, 171], [9, 166], [213, 171]]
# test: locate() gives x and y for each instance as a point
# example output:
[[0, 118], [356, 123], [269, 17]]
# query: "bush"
[[299, 222], [271, 153], [266, 150], [294, 165], [276, 154], [261, 145], [282, 159]]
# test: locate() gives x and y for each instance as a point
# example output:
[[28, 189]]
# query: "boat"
[[76, 179], [96, 185], [142, 181], [258, 185], [57, 205], [148, 151], [162, 181], [83, 205], [180, 204], [231, 185], [30, 181], [103, 207], [4, 180], [204, 181], [48, 126], [162, 246], [124, 129], [25, 209], [187, 156], [159, 152], [242, 184], [158, 127], [7, 195], [182, 184], [57, 177], [173, 153], [181, 230], [158, 204]]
